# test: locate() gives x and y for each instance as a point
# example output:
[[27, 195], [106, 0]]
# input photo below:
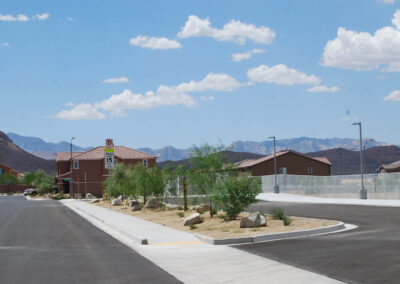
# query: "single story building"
[[88, 172], [390, 168], [287, 162], [4, 169]]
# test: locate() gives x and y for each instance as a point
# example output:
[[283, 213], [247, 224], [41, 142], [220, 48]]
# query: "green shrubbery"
[[40, 179], [8, 179], [278, 213], [233, 194]]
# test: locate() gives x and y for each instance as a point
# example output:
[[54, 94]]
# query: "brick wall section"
[[295, 164], [13, 188]]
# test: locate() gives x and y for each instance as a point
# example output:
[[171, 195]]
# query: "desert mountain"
[[13, 156]]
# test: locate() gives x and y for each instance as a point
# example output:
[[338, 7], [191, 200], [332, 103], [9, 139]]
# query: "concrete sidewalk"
[[286, 197], [191, 261]]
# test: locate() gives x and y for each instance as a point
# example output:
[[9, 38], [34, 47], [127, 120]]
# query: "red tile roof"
[[250, 163], [121, 152], [66, 156]]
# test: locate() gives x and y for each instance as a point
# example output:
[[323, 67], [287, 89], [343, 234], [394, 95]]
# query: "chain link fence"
[[379, 186]]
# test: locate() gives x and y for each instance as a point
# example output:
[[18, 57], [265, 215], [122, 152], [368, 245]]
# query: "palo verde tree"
[[207, 169]]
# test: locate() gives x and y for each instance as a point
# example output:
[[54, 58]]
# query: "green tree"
[[8, 179], [29, 178], [207, 169], [234, 194]]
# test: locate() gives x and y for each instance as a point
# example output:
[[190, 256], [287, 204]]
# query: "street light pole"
[[276, 186], [71, 168], [363, 191]]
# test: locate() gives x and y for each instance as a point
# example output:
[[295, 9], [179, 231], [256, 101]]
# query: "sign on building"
[[109, 160]]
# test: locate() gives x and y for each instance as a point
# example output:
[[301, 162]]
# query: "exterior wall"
[[13, 188], [7, 170], [63, 167], [96, 174], [295, 164]]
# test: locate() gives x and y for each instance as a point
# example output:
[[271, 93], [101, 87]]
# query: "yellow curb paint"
[[177, 243]]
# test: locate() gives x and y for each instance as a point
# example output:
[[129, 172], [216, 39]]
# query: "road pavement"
[[368, 254], [45, 242]]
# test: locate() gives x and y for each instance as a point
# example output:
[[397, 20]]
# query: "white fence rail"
[[379, 186]]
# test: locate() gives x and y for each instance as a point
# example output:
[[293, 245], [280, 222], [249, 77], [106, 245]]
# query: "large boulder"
[[116, 202], [132, 203], [95, 201], [89, 196], [136, 207], [195, 218], [152, 203], [170, 206], [263, 222], [253, 220]]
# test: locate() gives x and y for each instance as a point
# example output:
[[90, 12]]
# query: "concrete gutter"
[[273, 237]]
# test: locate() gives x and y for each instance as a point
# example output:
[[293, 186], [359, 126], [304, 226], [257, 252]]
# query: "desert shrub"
[[233, 195], [193, 227], [279, 213], [180, 214], [180, 207]]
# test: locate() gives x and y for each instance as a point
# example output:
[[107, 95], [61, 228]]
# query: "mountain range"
[[18, 159], [48, 150]]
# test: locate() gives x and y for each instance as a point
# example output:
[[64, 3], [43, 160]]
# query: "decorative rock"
[[132, 203], [116, 202], [195, 218], [95, 201], [251, 221], [136, 208], [171, 206], [89, 196], [152, 203], [263, 222]]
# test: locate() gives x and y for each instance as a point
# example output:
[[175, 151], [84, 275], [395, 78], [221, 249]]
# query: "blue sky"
[[156, 73]]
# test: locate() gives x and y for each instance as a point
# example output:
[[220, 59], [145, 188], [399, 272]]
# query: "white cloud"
[[210, 98], [236, 57], [118, 103], [387, 1], [323, 89], [392, 67], [216, 82], [393, 96], [81, 111], [155, 42], [234, 31], [5, 44], [396, 19], [281, 75], [362, 50], [70, 19], [41, 17], [11, 18], [69, 104], [164, 96], [115, 80]]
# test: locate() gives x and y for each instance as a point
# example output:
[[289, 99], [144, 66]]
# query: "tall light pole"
[[276, 186], [363, 191], [71, 168]]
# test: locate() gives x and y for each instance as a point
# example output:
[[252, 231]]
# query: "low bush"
[[193, 227], [233, 194], [180, 207], [180, 214], [279, 213]]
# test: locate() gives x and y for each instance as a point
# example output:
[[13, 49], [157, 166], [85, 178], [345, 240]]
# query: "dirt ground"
[[216, 227]]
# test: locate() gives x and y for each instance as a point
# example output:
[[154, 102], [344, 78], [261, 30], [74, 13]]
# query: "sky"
[[157, 73]]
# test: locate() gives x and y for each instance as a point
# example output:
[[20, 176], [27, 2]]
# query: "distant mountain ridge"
[[41, 148], [18, 159], [301, 144], [48, 150]]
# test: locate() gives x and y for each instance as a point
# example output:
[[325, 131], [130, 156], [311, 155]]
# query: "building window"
[[145, 163], [76, 165], [283, 171], [309, 170]]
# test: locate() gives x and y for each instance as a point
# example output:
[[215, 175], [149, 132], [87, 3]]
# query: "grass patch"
[[238, 231], [225, 230], [193, 227]]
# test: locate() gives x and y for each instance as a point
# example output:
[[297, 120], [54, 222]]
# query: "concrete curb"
[[272, 237], [89, 216]]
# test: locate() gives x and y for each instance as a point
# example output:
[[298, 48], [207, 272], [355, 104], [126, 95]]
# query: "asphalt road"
[[45, 242], [368, 254]]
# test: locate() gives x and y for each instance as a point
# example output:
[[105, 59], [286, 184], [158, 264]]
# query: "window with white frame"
[[309, 170], [283, 171], [76, 165], [145, 163]]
